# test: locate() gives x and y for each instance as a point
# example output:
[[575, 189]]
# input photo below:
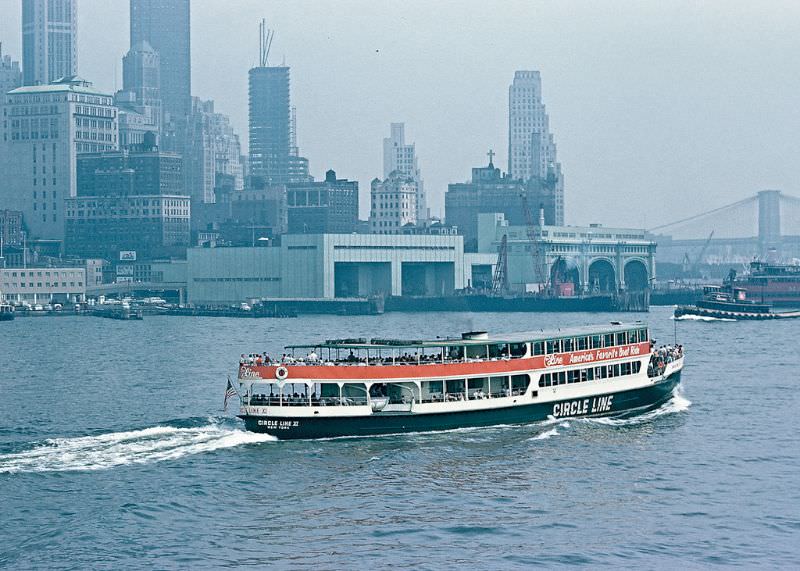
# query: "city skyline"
[[607, 102]]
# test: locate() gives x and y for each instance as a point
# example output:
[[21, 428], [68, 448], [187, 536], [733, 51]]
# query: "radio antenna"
[[265, 37]]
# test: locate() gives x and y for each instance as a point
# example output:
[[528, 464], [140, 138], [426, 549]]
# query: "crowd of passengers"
[[298, 399], [259, 359], [661, 357]]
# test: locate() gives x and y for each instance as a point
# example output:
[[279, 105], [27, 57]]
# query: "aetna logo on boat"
[[248, 373]]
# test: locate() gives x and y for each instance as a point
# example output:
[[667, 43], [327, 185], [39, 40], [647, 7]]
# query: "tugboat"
[[730, 302], [360, 387], [6, 312]]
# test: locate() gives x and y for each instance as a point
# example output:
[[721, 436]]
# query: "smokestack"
[[541, 215]]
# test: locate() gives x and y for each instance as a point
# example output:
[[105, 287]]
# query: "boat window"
[[572, 376], [625, 369], [402, 393], [538, 348], [642, 335], [583, 343], [633, 336], [544, 380], [354, 394], [432, 391], [476, 351], [454, 388], [597, 341], [566, 344], [497, 350], [622, 338], [608, 340], [601, 372], [456, 352], [478, 387], [519, 384], [637, 366], [498, 386], [519, 349], [590, 374], [616, 370], [562, 377], [553, 346]]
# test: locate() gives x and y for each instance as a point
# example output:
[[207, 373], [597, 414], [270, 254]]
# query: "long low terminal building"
[[327, 266]]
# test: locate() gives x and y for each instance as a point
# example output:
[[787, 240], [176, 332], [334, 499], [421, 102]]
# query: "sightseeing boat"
[[357, 387]]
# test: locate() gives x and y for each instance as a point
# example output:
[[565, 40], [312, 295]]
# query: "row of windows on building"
[[22, 285], [44, 273], [589, 374], [155, 213]]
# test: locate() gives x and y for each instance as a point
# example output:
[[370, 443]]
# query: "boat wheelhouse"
[[354, 387]]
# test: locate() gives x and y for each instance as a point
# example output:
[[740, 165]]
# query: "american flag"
[[230, 391]]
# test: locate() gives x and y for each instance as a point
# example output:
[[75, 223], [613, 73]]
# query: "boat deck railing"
[[362, 362], [313, 400]]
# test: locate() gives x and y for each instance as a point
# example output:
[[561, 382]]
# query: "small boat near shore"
[[6, 312], [360, 387], [729, 302]]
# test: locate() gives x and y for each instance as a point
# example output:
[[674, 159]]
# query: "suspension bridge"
[[764, 224]]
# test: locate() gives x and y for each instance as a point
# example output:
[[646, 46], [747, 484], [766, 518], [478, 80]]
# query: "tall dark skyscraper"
[[165, 25], [49, 40], [270, 124]]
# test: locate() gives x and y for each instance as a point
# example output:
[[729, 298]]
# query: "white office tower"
[[402, 158], [49, 41], [393, 203], [44, 128], [531, 146]]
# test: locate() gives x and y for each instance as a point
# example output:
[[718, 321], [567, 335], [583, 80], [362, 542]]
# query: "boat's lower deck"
[[288, 427]]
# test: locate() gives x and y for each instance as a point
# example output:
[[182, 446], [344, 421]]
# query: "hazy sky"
[[659, 109]]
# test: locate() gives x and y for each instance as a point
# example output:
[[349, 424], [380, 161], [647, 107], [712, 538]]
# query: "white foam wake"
[[699, 318], [106, 451], [678, 403], [550, 433]]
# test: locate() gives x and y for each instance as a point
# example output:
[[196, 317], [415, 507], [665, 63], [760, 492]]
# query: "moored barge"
[[359, 387]]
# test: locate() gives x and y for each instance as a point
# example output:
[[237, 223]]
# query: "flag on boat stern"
[[230, 391]]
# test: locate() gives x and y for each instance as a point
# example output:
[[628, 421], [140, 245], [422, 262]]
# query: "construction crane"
[[500, 278], [537, 247], [693, 268]]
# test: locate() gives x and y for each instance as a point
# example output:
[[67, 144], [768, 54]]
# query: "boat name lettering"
[[248, 373], [591, 356], [593, 405], [279, 424]]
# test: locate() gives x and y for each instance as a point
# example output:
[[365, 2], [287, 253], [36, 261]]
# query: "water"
[[115, 453]]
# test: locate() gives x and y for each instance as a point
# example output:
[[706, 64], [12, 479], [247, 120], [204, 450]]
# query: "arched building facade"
[[571, 259]]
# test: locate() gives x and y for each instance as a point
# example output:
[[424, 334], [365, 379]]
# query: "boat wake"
[[550, 433], [149, 445], [699, 318], [678, 403]]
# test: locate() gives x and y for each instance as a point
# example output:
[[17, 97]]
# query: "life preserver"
[[281, 373]]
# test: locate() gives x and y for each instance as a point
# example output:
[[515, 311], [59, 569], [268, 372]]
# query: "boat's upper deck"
[[475, 352], [472, 338]]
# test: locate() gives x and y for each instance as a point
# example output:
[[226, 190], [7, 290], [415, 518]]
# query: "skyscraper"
[[49, 43], [397, 156], [165, 25], [10, 74], [139, 101], [531, 146], [47, 126], [270, 123]]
